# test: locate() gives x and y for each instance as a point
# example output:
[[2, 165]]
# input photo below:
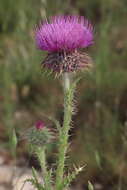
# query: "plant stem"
[[42, 160], [66, 82], [63, 136]]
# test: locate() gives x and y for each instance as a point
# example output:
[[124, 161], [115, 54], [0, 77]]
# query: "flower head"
[[39, 136], [64, 33], [62, 36]]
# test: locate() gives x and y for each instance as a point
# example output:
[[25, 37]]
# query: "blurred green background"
[[99, 135]]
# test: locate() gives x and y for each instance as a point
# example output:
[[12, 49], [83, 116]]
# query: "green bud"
[[39, 137]]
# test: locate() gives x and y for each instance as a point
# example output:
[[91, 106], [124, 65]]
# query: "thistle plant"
[[64, 38]]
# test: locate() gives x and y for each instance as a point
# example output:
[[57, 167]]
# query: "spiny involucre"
[[40, 135]]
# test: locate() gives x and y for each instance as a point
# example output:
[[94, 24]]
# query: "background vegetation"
[[99, 134]]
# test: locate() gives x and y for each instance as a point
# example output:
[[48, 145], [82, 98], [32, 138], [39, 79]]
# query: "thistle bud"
[[40, 135]]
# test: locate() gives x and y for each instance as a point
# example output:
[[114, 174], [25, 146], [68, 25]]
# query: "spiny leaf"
[[36, 185], [34, 173], [70, 177]]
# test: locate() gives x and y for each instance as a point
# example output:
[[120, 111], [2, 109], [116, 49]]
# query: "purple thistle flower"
[[64, 33], [62, 37], [39, 125]]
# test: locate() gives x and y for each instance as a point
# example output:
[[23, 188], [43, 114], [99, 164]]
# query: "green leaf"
[[90, 186], [98, 159], [14, 140]]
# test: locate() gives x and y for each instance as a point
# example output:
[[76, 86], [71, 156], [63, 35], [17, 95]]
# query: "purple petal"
[[64, 33]]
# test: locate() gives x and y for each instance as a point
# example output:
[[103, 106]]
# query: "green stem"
[[63, 136], [42, 160]]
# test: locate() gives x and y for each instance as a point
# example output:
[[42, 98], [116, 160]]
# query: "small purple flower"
[[39, 125], [62, 37]]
